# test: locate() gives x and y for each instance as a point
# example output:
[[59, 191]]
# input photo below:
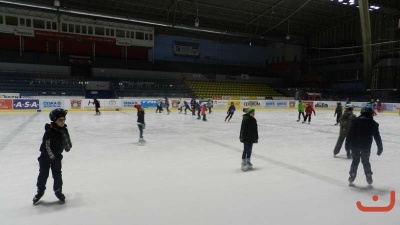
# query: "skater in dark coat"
[[140, 122], [230, 112], [345, 124], [193, 105], [363, 128], [338, 112], [55, 140], [248, 136], [96, 104]]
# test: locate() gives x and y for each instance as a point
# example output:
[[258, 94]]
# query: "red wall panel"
[[9, 42], [76, 48], [138, 53], [32, 44]]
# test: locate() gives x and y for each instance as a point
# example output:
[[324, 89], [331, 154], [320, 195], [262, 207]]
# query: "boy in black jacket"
[[55, 140], [248, 136], [338, 112], [363, 128], [140, 122]]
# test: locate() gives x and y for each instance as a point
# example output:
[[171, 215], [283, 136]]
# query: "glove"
[[144, 126], [380, 151]]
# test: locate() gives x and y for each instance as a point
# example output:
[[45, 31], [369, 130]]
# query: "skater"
[[180, 105], [187, 107], [300, 109], [338, 112], [309, 110], [198, 109], [159, 106], [55, 140], [193, 105], [96, 104], [209, 105], [378, 105], [167, 105], [345, 124], [363, 128], [372, 105], [140, 122], [248, 136], [230, 111], [204, 110]]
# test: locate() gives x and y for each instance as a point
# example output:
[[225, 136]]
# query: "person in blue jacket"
[[362, 129], [230, 111]]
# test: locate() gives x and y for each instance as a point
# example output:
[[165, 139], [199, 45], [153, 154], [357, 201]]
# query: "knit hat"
[[249, 111]]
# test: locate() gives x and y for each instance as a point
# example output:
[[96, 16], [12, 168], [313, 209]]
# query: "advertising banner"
[[112, 103], [149, 103], [252, 103], [186, 49], [220, 103], [281, 103], [6, 104], [25, 104], [9, 95], [24, 32], [51, 104], [89, 103], [129, 103], [76, 103], [326, 104]]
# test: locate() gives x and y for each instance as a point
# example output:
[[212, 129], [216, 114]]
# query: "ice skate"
[[141, 142], [303, 122], [297, 120], [352, 178], [369, 179], [308, 122], [38, 196], [244, 165], [248, 163], [60, 195]]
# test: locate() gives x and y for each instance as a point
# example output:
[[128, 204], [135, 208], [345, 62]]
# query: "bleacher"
[[224, 88], [40, 84]]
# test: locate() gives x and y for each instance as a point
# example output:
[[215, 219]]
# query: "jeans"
[[248, 147], [364, 155], [141, 130], [44, 168]]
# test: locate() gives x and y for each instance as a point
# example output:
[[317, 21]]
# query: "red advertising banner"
[[6, 104], [66, 36]]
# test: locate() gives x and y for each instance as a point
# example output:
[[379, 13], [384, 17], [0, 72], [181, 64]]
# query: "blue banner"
[[51, 104], [149, 103], [25, 103]]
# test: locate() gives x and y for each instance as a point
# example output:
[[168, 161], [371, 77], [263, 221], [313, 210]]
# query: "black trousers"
[[362, 155], [97, 110], [229, 116], [45, 164], [307, 116], [140, 126], [339, 144], [338, 117], [301, 113]]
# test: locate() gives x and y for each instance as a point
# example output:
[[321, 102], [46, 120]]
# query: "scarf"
[[66, 140]]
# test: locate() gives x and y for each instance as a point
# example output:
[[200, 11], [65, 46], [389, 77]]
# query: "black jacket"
[[140, 116], [248, 130], [338, 110], [363, 128], [96, 103], [52, 143]]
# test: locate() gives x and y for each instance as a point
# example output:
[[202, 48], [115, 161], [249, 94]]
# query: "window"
[[277, 59], [77, 28], [90, 30], [120, 33], [38, 24], [273, 60], [150, 37], [54, 25], [133, 34], [83, 29], [71, 28], [48, 25], [28, 22], [283, 58], [107, 31], [22, 22], [112, 32], [1, 19], [64, 27], [99, 31], [12, 20], [127, 34], [146, 36], [139, 35], [295, 58]]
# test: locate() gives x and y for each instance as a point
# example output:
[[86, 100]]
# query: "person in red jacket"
[[309, 110], [204, 110]]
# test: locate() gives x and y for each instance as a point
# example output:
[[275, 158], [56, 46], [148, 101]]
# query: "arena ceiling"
[[259, 21]]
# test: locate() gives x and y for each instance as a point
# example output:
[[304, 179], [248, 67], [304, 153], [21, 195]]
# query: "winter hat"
[[249, 111], [57, 113]]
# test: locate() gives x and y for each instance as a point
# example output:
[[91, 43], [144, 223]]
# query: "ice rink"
[[189, 171]]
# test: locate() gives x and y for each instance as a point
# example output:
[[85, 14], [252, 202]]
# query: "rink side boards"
[[77, 104]]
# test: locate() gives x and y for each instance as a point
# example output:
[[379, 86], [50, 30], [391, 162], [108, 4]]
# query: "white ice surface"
[[189, 172]]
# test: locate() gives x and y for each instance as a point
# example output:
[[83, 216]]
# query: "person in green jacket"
[[345, 125], [300, 108]]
